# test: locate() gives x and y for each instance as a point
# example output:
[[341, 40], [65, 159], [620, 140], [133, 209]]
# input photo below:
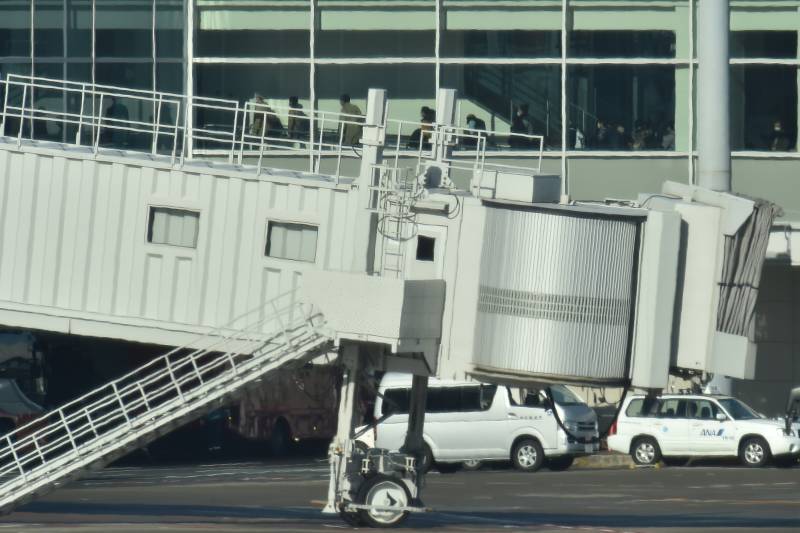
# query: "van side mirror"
[[721, 417]]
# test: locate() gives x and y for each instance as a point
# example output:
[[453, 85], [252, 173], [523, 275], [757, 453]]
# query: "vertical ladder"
[[394, 195]]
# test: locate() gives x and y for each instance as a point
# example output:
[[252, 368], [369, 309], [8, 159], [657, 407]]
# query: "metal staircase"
[[127, 413]]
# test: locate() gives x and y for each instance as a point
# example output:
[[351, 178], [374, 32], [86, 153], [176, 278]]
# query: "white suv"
[[650, 428]]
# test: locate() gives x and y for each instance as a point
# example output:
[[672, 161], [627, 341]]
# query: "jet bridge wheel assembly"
[[382, 492]]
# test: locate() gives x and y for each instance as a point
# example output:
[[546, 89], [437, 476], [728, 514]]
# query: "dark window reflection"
[[338, 43], [622, 44], [496, 93], [764, 108], [502, 43], [622, 107], [772, 44], [253, 43]]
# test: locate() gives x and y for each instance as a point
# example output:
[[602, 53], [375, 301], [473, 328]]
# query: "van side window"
[[400, 397], [487, 396], [443, 400], [642, 407]]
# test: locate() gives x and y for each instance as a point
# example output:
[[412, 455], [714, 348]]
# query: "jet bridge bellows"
[[558, 283]]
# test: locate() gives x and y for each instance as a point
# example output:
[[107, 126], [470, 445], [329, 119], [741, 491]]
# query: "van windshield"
[[564, 396]]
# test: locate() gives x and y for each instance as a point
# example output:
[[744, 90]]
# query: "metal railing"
[[92, 429], [160, 123]]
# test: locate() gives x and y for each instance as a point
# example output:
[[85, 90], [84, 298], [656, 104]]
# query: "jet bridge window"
[[296, 242], [425, 248], [176, 227]]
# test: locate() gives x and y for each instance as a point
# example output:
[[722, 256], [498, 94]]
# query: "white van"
[[468, 422]]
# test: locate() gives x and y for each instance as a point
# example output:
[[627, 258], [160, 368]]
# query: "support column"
[[340, 449], [414, 443], [372, 141], [713, 95], [713, 111]]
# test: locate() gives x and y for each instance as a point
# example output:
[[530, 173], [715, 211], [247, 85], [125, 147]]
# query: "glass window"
[[176, 227], [500, 43], [297, 242], [79, 28], [395, 401], [409, 87], [253, 43], [169, 28], [425, 248], [15, 24], [169, 77], [48, 32], [615, 107], [622, 44], [701, 409], [771, 44], [564, 396], [764, 108], [123, 28], [128, 75], [642, 407], [672, 408], [738, 410], [444, 400], [276, 83], [375, 43], [521, 98]]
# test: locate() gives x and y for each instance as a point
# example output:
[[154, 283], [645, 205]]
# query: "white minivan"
[[468, 423]]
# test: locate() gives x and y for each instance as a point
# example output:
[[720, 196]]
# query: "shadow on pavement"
[[433, 520]]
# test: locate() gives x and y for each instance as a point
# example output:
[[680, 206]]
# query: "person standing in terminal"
[[351, 132], [298, 121]]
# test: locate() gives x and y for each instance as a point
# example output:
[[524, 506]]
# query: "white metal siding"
[[555, 293], [73, 238]]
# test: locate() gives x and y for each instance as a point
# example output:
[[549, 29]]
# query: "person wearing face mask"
[[779, 141], [476, 124]]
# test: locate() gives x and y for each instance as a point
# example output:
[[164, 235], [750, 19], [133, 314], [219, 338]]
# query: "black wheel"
[[280, 440], [754, 452], [645, 451], [426, 461], [472, 464], [527, 455], [557, 464], [363, 448], [383, 491]]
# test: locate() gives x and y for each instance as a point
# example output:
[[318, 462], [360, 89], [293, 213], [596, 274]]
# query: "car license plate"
[[589, 448]]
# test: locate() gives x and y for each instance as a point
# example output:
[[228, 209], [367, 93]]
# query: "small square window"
[[425, 248], [176, 227], [297, 242]]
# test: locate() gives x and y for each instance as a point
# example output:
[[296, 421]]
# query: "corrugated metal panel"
[[555, 293], [73, 237]]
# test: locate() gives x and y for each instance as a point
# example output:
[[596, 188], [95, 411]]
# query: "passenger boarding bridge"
[[110, 227]]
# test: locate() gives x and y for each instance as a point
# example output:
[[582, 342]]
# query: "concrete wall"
[[777, 332]]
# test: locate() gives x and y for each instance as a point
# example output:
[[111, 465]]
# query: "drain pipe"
[[713, 111]]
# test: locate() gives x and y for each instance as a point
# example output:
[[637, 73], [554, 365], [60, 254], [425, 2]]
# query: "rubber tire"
[[363, 492], [760, 442], [280, 440], [537, 448], [472, 466], [656, 451], [561, 463], [425, 465]]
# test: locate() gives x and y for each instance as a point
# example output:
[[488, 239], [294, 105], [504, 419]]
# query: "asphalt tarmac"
[[285, 496]]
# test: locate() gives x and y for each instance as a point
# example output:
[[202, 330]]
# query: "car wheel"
[[527, 455], [472, 464], [280, 440], [557, 464], [645, 451], [383, 491], [754, 452]]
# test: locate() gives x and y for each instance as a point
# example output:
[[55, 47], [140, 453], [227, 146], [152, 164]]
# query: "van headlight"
[[572, 427]]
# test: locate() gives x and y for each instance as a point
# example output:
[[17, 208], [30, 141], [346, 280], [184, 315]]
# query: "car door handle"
[[513, 415]]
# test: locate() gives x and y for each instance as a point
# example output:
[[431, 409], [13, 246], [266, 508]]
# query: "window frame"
[[292, 222], [149, 211]]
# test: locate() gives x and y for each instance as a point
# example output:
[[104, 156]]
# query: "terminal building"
[[609, 84]]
